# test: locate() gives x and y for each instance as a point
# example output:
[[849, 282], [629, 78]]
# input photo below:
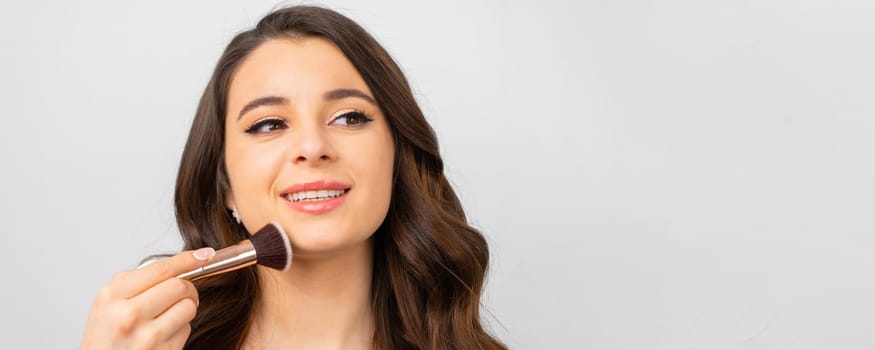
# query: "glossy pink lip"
[[318, 206]]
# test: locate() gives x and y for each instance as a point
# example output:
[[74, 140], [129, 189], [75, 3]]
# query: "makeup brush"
[[268, 247]]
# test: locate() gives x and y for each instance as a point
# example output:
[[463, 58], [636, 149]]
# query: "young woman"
[[384, 258]]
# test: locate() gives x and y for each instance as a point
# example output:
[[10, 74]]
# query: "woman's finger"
[[177, 341], [131, 283], [162, 296], [174, 319]]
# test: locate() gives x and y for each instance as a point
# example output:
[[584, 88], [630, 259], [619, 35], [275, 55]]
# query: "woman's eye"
[[352, 119], [266, 125]]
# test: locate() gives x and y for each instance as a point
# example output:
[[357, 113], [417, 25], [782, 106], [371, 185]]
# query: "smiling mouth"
[[314, 196]]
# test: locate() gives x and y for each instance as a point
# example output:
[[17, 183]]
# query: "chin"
[[306, 245]]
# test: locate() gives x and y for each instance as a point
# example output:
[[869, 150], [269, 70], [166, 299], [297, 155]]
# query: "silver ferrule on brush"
[[227, 259]]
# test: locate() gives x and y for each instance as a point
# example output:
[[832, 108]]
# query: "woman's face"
[[307, 146]]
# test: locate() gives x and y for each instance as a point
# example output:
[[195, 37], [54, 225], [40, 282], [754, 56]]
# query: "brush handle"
[[228, 259]]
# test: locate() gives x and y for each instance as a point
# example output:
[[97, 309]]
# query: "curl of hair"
[[429, 263]]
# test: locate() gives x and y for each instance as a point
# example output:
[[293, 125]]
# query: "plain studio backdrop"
[[649, 174]]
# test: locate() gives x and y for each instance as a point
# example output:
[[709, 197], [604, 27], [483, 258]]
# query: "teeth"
[[314, 195]]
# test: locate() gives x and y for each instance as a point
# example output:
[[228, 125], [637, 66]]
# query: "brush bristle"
[[272, 247]]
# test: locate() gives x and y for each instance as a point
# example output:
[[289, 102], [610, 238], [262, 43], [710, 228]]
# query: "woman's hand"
[[147, 308]]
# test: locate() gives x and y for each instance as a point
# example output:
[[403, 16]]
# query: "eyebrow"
[[336, 94], [262, 101], [344, 93]]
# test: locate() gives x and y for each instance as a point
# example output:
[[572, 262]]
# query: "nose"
[[312, 146]]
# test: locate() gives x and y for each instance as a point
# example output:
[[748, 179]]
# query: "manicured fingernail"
[[204, 253]]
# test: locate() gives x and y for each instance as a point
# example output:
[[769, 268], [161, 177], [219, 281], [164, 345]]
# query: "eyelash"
[[276, 123], [273, 123]]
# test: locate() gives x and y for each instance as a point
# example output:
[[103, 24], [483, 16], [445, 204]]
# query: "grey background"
[[650, 174]]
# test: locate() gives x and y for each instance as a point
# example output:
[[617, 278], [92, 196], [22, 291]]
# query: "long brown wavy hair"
[[429, 264]]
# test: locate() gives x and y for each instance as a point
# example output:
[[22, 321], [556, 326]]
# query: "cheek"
[[378, 163], [251, 168], [385, 169]]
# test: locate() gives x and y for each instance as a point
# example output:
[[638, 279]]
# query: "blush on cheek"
[[260, 162]]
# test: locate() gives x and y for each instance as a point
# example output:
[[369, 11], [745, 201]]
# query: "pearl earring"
[[234, 213]]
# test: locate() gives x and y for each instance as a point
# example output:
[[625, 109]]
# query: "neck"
[[319, 303]]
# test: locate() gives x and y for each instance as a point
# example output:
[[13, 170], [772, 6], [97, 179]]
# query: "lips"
[[316, 197]]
